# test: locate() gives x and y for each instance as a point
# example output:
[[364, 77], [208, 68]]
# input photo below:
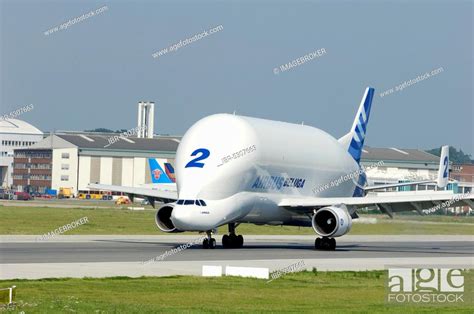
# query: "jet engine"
[[332, 221], [163, 218]]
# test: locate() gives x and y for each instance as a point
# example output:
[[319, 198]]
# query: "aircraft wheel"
[[232, 241], [317, 244], [205, 244], [239, 241], [226, 241], [212, 243], [327, 244]]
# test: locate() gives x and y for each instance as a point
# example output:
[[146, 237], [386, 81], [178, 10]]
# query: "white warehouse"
[[14, 134]]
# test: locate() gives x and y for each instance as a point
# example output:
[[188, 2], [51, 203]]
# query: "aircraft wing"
[[394, 185], [149, 193], [396, 202]]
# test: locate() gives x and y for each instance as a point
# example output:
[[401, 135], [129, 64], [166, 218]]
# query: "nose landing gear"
[[209, 242], [232, 240], [324, 243]]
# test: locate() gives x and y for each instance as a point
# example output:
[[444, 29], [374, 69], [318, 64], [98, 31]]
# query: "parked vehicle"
[[6, 194], [65, 193], [122, 200], [95, 195], [51, 192], [36, 195], [22, 196]]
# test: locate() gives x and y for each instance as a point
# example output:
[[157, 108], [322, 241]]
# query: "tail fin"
[[158, 175], [443, 171], [354, 140]]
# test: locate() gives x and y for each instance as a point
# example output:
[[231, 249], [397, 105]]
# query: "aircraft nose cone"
[[188, 218], [180, 218]]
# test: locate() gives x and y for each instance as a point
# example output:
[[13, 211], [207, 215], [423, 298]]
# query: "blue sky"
[[93, 73]]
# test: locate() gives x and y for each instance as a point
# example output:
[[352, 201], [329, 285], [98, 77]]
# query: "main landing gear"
[[232, 240], [324, 243], [209, 242]]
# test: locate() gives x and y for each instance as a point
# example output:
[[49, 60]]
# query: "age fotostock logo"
[[425, 285]]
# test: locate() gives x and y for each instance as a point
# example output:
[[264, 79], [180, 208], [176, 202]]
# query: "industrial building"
[[146, 121], [400, 165], [464, 174], [73, 160], [408, 165], [405, 165], [14, 134]]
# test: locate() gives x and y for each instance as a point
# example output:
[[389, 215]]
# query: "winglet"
[[443, 170], [354, 140]]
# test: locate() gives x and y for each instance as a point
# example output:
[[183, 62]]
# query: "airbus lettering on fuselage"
[[277, 183]]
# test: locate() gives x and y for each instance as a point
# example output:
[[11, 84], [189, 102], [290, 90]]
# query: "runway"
[[100, 256]]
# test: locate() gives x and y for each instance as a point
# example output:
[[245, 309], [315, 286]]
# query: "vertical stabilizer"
[[354, 140], [161, 172], [443, 171]]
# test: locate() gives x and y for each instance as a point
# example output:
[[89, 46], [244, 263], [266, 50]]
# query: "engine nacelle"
[[163, 218], [332, 221]]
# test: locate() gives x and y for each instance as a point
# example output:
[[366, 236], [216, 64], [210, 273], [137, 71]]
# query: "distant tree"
[[104, 130], [100, 130], [455, 156]]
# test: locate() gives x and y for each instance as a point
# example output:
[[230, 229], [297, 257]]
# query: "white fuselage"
[[242, 167]]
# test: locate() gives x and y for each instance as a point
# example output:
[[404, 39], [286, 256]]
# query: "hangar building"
[[14, 134], [404, 165], [73, 160]]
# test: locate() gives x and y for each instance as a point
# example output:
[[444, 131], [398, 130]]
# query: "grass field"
[[322, 292], [34, 220]]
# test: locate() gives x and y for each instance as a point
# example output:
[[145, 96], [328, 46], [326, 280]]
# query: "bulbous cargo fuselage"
[[240, 165]]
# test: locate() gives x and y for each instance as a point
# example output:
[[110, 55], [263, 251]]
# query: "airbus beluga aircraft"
[[233, 169]]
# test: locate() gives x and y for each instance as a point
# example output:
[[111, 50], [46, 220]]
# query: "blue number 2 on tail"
[[445, 174], [204, 153]]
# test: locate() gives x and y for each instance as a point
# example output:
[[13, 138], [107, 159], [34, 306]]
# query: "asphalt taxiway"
[[103, 256]]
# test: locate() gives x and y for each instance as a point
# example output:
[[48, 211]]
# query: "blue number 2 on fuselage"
[[204, 153]]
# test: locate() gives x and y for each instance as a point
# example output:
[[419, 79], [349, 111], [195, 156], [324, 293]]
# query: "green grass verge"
[[40, 220], [316, 292]]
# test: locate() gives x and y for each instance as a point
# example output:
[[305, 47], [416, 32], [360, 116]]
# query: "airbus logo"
[[276, 183]]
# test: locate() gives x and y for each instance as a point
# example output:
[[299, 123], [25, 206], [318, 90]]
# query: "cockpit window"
[[191, 202]]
